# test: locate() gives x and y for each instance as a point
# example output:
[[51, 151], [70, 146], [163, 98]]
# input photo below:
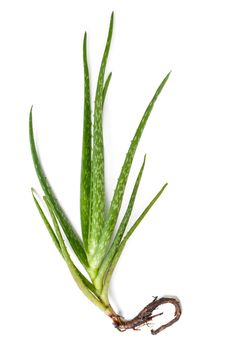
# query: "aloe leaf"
[[121, 184], [115, 260], [106, 85], [98, 190], [46, 222], [73, 238], [85, 182], [85, 286], [55, 239], [120, 232]]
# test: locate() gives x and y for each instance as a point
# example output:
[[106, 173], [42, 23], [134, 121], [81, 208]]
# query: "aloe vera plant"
[[99, 249]]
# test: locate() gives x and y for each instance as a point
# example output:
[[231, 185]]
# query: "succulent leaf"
[[72, 236], [115, 260], [98, 185], [85, 179], [85, 286], [116, 202], [120, 232], [54, 236], [46, 222]]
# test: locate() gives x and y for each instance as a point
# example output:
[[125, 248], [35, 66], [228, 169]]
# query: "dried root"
[[146, 315]]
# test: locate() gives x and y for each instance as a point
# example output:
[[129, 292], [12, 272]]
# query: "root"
[[145, 316]]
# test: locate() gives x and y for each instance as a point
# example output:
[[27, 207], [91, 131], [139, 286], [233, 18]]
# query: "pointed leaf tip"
[[112, 19], [85, 38]]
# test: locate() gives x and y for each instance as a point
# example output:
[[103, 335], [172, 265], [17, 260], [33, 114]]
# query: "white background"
[[184, 247]]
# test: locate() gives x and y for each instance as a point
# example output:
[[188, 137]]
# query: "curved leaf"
[[69, 231], [85, 286], [104, 294], [46, 222], [121, 184]]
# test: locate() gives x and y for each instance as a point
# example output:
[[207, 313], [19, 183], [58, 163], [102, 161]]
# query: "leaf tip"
[[30, 114], [112, 19], [167, 77], [33, 190], [31, 120]]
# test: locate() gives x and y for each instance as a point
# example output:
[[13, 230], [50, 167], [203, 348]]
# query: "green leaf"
[[121, 184], [104, 294], [119, 234], [46, 222], [55, 239], [85, 181], [85, 286], [98, 190], [72, 236]]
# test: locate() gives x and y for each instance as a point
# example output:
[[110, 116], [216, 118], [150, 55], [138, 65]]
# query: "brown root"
[[146, 315]]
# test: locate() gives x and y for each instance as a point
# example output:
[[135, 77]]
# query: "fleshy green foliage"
[[97, 172], [85, 179], [98, 251], [72, 236]]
